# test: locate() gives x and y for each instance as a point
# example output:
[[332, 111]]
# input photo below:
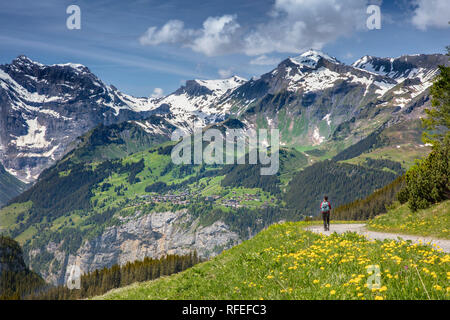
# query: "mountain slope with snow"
[[44, 108], [312, 98]]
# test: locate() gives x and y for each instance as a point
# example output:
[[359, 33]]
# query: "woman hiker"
[[325, 208]]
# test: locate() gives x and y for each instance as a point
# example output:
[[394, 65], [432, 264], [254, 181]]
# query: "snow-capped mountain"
[[422, 66], [195, 103], [311, 98], [44, 108], [312, 71]]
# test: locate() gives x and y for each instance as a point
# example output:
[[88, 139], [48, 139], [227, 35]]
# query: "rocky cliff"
[[151, 235]]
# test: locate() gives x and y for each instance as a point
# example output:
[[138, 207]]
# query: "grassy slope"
[[402, 142], [286, 262], [434, 221], [405, 154]]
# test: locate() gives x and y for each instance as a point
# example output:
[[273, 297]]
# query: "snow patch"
[[327, 118], [35, 137], [317, 138], [310, 58]]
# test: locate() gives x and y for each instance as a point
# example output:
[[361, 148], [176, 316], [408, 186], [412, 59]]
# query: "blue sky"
[[140, 45]]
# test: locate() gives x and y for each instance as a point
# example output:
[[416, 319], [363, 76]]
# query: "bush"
[[427, 182]]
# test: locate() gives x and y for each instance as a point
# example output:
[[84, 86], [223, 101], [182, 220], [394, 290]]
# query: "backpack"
[[325, 206]]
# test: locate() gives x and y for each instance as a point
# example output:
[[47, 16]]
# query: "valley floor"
[[361, 229]]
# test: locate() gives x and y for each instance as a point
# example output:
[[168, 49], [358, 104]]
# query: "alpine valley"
[[86, 176]]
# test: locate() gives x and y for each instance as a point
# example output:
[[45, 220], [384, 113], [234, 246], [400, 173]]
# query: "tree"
[[427, 182], [438, 117]]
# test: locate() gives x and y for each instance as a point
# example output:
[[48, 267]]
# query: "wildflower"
[[332, 292], [379, 298]]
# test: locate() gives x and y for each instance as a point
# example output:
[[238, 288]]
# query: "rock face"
[[151, 235]]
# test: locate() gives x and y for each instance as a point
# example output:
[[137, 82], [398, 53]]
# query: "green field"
[[434, 221], [287, 262]]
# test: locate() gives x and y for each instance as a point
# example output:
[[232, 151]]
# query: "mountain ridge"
[[48, 97]]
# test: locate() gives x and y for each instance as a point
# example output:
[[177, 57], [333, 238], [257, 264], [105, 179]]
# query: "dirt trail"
[[361, 229]]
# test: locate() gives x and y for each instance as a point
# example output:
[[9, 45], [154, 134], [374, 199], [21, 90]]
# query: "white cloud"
[[157, 93], [431, 13], [172, 32], [291, 26], [225, 73], [214, 38], [264, 60], [297, 25]]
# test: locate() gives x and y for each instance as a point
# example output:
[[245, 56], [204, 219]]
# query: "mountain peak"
[[22, 57], [362, 61], [24, 60], [311, 57], [222, 85], [75, 66]]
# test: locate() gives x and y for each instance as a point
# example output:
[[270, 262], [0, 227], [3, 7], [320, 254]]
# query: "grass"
[[405, 154], [287, 262], [26, 235], [434, 221], [9, 216]]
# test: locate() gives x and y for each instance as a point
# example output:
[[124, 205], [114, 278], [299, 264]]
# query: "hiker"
[[325, 208]]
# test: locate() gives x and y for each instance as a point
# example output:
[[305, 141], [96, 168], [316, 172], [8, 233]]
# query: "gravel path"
[[361, 229]]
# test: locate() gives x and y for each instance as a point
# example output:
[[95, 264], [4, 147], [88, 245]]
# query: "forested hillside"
[[376, 203], [101, 281], [342, 183], [16, 280], [10, 186]]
